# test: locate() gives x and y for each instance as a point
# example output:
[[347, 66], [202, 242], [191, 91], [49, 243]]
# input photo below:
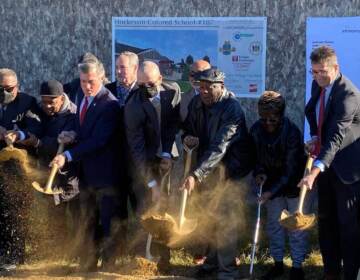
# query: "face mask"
[[149, 92], [6, 97]]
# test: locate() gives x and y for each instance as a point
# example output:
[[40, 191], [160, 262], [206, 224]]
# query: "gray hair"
[[92, 66], [4, 72], [133, 58]]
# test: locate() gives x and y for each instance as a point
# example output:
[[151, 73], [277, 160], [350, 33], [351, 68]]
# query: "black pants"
[[339, 224], [97, 208]]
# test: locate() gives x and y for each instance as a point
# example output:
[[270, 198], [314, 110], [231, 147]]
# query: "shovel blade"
[[37, 187], [296, 221]]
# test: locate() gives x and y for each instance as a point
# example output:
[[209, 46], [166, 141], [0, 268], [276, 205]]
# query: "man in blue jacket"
[[95, 150]]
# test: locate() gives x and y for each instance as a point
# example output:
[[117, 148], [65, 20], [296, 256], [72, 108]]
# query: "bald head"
[[200, 65], [149, 73], [196, 67]]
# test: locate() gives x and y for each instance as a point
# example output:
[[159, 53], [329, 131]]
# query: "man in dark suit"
[[18, 118], [96, 147], [151, 120], [127, 65], [333, 114]]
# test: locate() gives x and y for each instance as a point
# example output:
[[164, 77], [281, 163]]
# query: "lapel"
[[331, 96], [91, 111], [131, 93], [151, 113], [11, 114]]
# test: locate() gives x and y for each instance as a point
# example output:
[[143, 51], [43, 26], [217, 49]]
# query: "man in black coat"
[[217, 123], [152, 120], [18, 117], [333, 113]]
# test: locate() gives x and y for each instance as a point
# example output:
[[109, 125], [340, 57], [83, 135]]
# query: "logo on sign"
[[255, 48], [253, 88]]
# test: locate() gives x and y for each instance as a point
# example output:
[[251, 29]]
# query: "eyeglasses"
[[319, 72]]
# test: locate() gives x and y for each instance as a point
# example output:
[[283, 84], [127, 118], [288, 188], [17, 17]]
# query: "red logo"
[[253, 88]]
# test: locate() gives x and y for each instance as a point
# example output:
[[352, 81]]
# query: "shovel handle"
[[54, 170], [182, 208], [303, 190]]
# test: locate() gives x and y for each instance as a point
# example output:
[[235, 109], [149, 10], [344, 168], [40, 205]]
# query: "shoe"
[[296, 273], [7, 267], [276, 271], [199, 259], [203, 273]]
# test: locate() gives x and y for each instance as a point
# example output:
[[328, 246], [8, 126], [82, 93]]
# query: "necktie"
[[122, 93], [320, 121], [83, 110]]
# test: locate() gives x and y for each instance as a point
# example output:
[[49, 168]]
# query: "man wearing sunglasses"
[[333, 113], [18, 118], [197, 67], [152, 120]]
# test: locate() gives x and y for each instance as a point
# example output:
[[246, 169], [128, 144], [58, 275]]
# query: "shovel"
[[164, 227], [299, 221], [257, 228], [54, 169]]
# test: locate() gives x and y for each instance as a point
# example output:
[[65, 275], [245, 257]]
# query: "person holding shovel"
[[279, 156], [216, 122], [333, 113], [18, 117], [152, 120]]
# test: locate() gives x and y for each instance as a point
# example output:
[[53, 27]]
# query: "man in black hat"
[[58, 114], [216, 122]]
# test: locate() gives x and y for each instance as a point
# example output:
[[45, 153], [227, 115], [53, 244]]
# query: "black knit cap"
[[51, 88]]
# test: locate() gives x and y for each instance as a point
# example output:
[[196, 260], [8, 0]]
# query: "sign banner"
[[235, 45]]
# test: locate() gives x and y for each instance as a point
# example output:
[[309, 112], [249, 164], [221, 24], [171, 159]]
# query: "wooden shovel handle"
[[303, 190], [183, 207], [54, 169]]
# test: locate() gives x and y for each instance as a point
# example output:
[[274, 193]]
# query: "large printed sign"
[[235, 45], [343, 34]]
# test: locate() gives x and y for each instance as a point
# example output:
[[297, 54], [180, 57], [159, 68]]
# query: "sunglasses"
[[9, 89], [148, 85], [269, 120]]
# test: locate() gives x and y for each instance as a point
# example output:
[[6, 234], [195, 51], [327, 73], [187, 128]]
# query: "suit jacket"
[[23, 113], [97, 147], [186, 98], [142, 126], [340, 139]]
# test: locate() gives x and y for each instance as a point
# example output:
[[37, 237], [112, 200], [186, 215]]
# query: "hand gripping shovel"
[[164, 228], [299, 221], [54, 169]]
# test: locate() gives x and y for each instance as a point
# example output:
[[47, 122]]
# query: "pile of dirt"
[[161, 227], [140, 267]]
